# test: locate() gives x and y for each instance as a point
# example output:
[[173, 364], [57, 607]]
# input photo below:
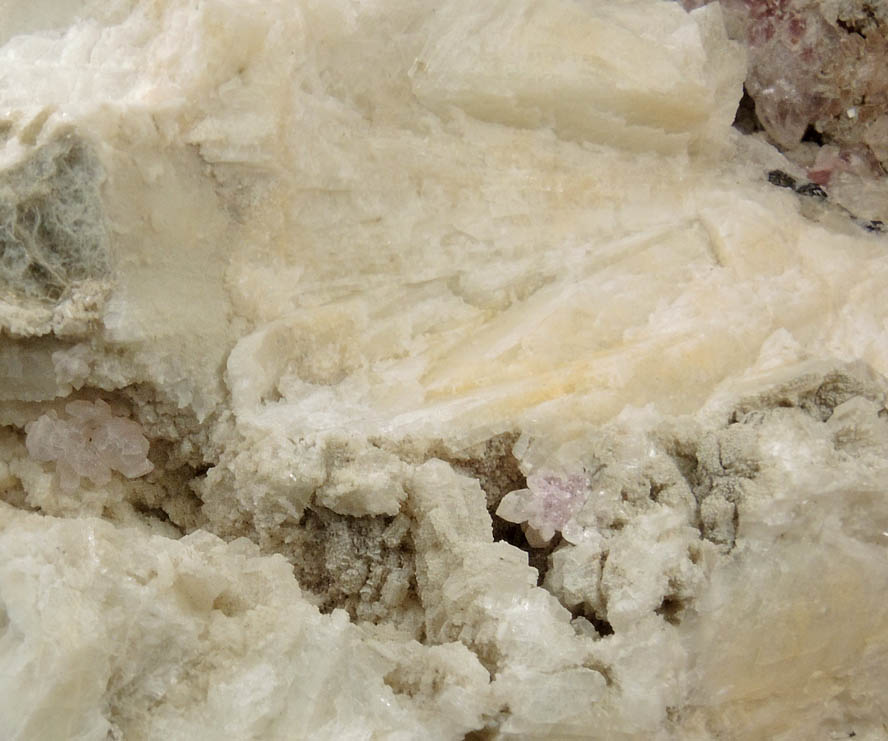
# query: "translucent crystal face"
[[91, 442]]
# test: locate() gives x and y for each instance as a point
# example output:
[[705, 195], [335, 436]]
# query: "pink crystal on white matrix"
[[547, 505], [91, 442]]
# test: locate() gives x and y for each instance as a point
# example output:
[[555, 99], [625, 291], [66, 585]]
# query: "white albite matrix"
[[408, 370]]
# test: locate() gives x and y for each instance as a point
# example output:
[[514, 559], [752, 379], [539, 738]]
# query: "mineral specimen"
[[91, 443], [818, 74], [465, 374]]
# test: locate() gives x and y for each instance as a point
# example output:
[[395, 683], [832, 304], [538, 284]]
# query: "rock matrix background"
[[408, 370]]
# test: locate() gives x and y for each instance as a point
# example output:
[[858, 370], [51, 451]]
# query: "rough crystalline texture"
[[547, 506], [413, 370], [91, 443], [54, 253], [819, 64], [818, 76]]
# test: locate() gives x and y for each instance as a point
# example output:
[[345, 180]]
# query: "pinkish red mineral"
[[831, 160], [817, 64]]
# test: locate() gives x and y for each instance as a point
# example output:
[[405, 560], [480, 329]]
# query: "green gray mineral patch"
[[53, 233]]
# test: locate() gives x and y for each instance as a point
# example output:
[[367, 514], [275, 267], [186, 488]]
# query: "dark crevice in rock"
[[850, 27], [513, 534], [603, 627], [745, 120], [863, 24], [672, 609], [201, 470], [813, 136], [159, 514], [484, 734], [600, 624], [508, 532], [497, 470], [537, 558], [492, 463]]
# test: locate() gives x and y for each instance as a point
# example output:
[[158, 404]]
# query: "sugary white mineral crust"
[[426, 370]]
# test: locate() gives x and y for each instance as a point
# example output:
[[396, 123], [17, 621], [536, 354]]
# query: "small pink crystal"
[[547, 505], [91, 442]]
